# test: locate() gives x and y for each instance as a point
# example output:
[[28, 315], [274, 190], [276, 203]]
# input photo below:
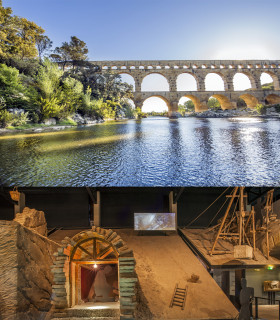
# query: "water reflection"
[[148, 152]]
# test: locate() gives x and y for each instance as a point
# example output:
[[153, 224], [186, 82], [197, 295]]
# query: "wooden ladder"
[[179, 297]]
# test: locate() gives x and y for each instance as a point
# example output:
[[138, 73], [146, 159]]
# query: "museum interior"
[[139, 253]]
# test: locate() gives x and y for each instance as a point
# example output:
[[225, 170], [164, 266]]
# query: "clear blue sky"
[[161, 29]]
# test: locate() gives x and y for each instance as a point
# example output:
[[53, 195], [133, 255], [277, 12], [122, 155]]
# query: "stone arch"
[[190, 74], [250, 78], [198, 105], [168, 103], [275, 79], [130, 76], [224, 101], [147, 74], [272, 99], [250, 100], [221, 75], [68, 260]]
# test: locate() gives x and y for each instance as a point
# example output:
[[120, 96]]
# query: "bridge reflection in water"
[[150, 152]]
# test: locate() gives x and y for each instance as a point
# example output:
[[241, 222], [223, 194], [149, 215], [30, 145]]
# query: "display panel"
[[154, 221]]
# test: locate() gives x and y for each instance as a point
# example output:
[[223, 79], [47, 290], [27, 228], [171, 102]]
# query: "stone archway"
[[95, 246]]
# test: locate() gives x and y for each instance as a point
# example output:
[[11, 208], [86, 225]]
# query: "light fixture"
[[270, 267], [95, 266]]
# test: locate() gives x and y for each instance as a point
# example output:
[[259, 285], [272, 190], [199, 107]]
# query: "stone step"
[[88, 318], [99, 314]]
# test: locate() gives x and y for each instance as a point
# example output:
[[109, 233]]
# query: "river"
[[148, 152]]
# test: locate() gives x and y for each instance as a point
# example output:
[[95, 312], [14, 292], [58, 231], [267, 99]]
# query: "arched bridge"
[[199, 69]]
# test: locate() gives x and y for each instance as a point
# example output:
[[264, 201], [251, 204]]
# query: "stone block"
[[243, 252]]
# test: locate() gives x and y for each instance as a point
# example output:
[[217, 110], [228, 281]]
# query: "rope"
[[207, 208], [217, 213]]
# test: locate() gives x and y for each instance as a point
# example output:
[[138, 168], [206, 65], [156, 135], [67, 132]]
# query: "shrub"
[[5, 118]]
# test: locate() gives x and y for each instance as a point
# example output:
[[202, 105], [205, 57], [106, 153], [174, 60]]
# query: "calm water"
[[150, 152]]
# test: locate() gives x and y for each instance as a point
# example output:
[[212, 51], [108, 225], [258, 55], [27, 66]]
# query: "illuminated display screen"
[[154, 221]]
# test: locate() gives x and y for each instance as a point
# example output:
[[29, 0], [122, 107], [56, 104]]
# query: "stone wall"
[[127, 276], [25, 278], [33, 219]]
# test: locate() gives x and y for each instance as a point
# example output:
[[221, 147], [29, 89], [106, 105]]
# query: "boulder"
[[50, 121], [16, 110], [33, 219], [78, 118]]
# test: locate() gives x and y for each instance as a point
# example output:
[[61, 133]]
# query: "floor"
[[98, 305], [268, 312]]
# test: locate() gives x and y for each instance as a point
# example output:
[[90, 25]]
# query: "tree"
[[214, 104], [43, 44], [73, 52], [11, 88], [17, 35], [189, 105]]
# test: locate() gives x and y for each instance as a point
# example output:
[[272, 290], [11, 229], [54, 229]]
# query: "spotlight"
[[95, 266]]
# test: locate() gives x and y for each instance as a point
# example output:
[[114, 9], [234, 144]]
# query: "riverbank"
[[269, 113]]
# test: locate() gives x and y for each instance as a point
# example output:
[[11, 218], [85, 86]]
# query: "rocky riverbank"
[[270, 113]]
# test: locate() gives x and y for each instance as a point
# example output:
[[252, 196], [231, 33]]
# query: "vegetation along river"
[[148, 152]]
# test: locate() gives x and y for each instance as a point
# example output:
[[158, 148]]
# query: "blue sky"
[[161, 29]]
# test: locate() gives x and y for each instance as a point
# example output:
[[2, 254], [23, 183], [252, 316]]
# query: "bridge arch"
[[198, 106], [168, 104], [159, 78], [241, 79], [274, 79], [224, 101], [250, 100], [127, 77], [215, 81], [187, 78], [272, 99]]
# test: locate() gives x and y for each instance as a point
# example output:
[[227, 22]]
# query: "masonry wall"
[[25, 278]]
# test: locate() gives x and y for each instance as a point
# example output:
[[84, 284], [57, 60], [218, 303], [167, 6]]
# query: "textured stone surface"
[[33, 219], [25, 278], [199, 69]]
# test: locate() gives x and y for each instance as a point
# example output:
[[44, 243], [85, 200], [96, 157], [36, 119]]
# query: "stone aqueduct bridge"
[[199, 69]]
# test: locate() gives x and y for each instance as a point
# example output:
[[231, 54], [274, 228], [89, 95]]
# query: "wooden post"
[[267, 240], [254, 229], [18, 208], [224, 219], [97, 210], [173, 207], [241, 210]]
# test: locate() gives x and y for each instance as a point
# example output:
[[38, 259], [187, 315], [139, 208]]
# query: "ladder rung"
[[179, 305], [179, 297], [179, 293]]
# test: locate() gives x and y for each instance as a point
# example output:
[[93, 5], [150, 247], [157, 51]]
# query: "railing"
[[271, 302]]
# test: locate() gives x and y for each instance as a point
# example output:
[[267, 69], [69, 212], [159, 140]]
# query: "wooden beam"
[[91, 195], [86, 251], [104, 253], [178, 195]]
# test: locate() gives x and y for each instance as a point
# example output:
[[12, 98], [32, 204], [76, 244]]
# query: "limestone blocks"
[[33, 219], [127, 275]]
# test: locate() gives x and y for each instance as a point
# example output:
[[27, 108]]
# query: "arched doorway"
[[77, 264], [93, 273]]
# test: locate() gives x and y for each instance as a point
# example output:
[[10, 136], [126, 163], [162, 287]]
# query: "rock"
[[50, 121], [25, 279], [16, 110], [32, 219], [89, 120], [78, 118]]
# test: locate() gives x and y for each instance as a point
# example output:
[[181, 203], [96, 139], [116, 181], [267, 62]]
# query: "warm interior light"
[[95, 266]]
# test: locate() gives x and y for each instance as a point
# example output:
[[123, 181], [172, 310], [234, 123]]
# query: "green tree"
[[189, 106], [43, 44], [70, 52], [71, 96], [11, 88], [17, 35], [214, 104]]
